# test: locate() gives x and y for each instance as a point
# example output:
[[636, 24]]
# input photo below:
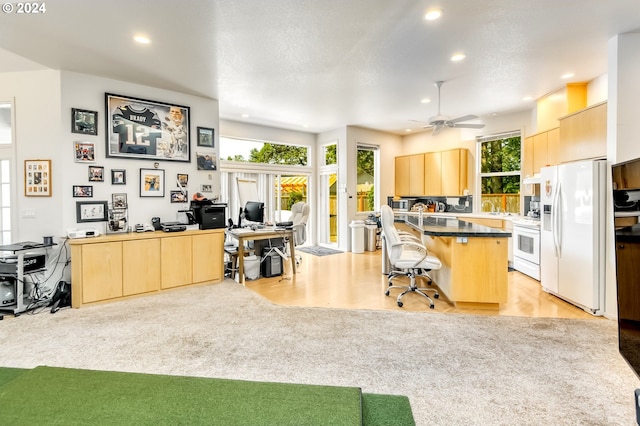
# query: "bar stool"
[[232, 252]]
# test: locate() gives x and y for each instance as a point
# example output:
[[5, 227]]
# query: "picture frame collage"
[[162, 133]]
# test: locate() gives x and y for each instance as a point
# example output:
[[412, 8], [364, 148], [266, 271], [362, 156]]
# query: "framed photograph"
[[206, 188], [83, 191], [91, 211], [179, 196], [83, 121], [96, 174], [147, 130], [118, 177], [84, 152], [183, 179], [119, 201], [205, 137], [151, 183], [207, 161], [37, 178]]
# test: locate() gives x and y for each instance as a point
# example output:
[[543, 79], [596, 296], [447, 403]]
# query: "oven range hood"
[[532, 179]]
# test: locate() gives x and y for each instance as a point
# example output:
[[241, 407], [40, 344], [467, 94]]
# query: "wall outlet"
[[466, 203], [29, 213]]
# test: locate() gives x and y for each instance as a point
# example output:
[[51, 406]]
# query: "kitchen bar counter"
[[474, 259], [450, 227]]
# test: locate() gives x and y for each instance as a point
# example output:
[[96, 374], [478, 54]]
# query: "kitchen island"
[[474, 259]]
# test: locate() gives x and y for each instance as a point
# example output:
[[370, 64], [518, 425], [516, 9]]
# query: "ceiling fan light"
[[458, 57], [433, 14]]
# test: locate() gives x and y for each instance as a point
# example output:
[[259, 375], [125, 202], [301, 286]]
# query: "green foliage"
[[366, 162], [279, 154], [236, 157], [330, 155], [502, 155], [370, 200]]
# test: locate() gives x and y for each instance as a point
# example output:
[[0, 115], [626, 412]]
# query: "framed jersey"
[[144, 129]]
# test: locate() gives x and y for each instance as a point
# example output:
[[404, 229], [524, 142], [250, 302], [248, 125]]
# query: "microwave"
[[403, 204]]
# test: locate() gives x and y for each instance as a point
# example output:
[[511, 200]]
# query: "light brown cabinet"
[[627, 175], [540, 150], [583, 135], [627, 270], [455, 172], [432, 173], [409, 175], [114, 266]]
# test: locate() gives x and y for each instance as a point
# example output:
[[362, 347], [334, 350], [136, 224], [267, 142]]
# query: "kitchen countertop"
[[484, 215], [444, 226]]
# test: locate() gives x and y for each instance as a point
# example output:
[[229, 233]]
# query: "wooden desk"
[[246, 234]]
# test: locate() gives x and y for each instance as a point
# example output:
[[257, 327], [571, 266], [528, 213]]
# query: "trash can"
[[252, 267], [371, 236], [357, 236], [386, 264]]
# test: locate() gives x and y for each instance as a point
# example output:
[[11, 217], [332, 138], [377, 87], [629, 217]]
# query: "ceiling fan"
[[439, 122]]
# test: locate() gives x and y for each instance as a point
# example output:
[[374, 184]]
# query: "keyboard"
[[284, 224]]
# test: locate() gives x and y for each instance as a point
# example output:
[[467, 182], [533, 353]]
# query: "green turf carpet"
[[72, 396]]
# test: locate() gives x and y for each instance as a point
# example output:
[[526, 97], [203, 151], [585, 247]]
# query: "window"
[[330, 154], [367, 160], [499, 157], [7, 186], [243, 150]]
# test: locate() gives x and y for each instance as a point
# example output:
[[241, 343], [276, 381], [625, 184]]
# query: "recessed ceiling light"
[[425, 101], [458, 57], [142, 39], [407, 130], [245, 115], [433, 14], [567, 75], [527, 98]]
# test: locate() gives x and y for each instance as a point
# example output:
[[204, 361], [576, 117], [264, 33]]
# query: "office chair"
[[299, 217], [407, 258]]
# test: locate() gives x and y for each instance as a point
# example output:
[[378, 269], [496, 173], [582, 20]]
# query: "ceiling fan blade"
[[417, 121], [465, 118], [468, 125], [436, 130]]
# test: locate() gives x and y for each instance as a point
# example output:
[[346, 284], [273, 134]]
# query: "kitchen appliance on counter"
[[401, 204], [526, 246], [572, 235]]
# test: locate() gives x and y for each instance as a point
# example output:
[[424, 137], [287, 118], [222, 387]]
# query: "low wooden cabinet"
[[116, 266]]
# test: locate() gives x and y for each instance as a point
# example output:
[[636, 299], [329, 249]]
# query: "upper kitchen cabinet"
[[433, 173], [559, 103], [409, 175], [455, 171], [583, 135]]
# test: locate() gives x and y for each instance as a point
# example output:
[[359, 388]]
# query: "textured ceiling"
[[328, 63]]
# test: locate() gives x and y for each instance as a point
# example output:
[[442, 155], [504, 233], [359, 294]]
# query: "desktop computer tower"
[[271, 263]]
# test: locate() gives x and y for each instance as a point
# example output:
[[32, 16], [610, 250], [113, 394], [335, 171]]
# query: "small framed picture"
[[206, 161], [37, 178], [183, 179], [85, 191], [206, 188], [83, 121], [118, 176], [91, 211], [179, 196], [205, 137], [119, 201], [151, 183], [96, 174], [85, 152]]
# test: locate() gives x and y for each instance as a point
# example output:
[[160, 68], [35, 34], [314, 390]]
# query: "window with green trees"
[[366, 165], [242, 150], [500, 172]]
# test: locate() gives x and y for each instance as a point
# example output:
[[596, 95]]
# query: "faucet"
[[487, 202]]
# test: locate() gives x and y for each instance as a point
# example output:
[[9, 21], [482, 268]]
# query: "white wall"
[[43, 102]]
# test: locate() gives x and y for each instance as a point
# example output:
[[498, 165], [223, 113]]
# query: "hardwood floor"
[[355, 281]]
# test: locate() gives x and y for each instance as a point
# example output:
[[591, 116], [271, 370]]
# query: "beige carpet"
[[456, 369]]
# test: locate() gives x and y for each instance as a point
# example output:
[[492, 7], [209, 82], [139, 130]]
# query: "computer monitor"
[[254, 211]]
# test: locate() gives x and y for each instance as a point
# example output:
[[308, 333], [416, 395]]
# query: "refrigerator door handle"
[[558, 224], [554, 220]]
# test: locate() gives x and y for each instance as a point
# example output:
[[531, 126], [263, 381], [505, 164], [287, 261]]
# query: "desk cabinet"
[[121, 265]]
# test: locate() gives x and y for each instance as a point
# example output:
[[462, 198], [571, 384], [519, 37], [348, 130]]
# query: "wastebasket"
[[357, 236], [251, 267], [371, 236]]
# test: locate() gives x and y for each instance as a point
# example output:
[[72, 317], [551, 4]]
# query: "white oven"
[[526, 247]]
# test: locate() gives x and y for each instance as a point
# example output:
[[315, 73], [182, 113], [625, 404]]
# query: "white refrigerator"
[[572, 233]]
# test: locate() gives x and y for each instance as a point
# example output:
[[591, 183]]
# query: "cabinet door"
[[175, 255], [208, 257], [402, 176], [628, 269], [539, 151], [416, 171], [454, 171], [584, 135], [140, 266], [553, 141], [433, 173], [101, 271]]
